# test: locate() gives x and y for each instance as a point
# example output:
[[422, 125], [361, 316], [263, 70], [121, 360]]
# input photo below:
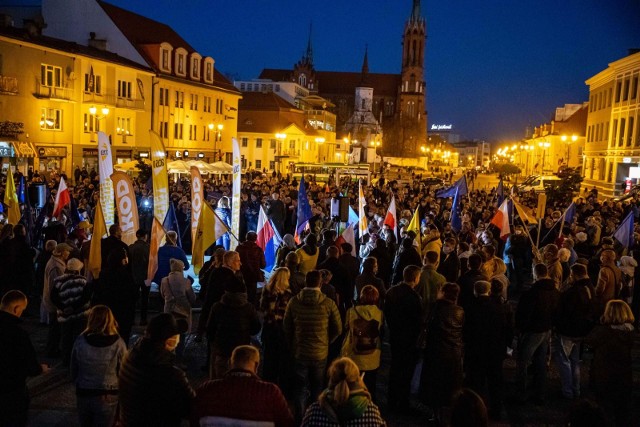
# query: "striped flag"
[[268, 239], [391, 219], [501, 220], [363, 226]]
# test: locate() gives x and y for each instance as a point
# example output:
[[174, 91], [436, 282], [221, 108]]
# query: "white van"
[[541, 183]]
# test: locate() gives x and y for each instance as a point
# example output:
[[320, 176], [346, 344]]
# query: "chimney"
[[100, 44], [32, 27]]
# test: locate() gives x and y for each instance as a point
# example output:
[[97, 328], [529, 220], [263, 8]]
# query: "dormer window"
[[165, 57], [196, 61], [181, 62], [208, 69]]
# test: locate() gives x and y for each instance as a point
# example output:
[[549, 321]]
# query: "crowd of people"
[[302, 344]]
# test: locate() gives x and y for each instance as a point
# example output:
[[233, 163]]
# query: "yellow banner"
[[235, 199], [160, 177], [157, 236], [542, 205], [95, 251], [11, 200], [209, 229], [197, 198], [105, 169], [127, 206]]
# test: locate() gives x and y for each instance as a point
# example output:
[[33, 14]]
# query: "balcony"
[[99, 98], [8, 85], [288, 153], [53, 92], [130, 103]]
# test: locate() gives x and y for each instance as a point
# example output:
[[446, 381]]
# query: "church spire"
[[308, 56], [365, 63], [415, 12]]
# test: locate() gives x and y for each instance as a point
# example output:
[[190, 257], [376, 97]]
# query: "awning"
[[24, 149]]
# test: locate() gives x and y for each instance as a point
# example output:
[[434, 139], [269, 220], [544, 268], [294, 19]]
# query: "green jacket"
[[311, 322], [430, 283]]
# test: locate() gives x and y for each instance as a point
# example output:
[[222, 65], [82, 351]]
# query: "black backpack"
[[364, 334]]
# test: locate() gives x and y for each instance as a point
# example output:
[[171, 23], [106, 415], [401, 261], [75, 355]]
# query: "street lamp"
[[93, 112], [217, 138], [566, 140], [544, 146]]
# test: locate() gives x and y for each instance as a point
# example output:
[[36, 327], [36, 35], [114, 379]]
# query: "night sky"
[[492, 67]]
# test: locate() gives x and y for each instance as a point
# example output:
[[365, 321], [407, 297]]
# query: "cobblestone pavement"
[[53, 398]]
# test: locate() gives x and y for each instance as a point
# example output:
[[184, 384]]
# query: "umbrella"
[[177, 166], [203, 167], [221, 167]]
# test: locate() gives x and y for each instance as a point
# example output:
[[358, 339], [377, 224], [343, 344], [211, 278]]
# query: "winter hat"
[[163, 327], [74, 264]]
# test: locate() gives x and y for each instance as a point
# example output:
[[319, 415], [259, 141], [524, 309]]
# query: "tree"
[[145, 170], [507, 169], [562, 195]]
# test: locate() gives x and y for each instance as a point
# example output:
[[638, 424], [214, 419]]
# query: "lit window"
[[50, 119], [50, 75]]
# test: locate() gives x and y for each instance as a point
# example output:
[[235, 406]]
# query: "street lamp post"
[[280, 137], [544, 146], [217, 137], [93, 111], [568, 141]]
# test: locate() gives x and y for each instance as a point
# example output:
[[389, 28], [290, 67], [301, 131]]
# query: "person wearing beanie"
[[232, 322], [346, 401], [166, 253], [71, 296], [153, 391]]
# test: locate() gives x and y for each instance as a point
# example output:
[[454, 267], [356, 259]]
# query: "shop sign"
[[90, 152], [52, 151]]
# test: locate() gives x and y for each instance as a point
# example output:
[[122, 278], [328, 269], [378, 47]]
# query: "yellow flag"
[[11, 200], [95, 251], [362, 202], [415, 226], [157, 237], [210, 228], [524, 215], [160, 179]]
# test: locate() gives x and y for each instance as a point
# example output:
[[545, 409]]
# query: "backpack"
[[364, 334]]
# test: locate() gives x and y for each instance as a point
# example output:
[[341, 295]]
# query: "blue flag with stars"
[[459, 187], [304, 210], [570, 213], [456, 219], [624, 233]]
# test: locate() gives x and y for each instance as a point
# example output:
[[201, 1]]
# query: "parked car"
[[540, 183]]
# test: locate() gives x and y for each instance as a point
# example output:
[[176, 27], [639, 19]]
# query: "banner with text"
[[105, 168], [160, 179], [197, 197], [235, 201], [126, 206]]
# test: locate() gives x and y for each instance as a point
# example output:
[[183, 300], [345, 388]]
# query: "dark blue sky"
[[492, 67]]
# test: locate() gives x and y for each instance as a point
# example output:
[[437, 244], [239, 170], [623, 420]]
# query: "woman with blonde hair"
[[273, 303], [95, 363], [611, 371], [346, 400]]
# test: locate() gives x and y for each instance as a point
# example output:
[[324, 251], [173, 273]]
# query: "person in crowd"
[[369, 277], [327, 288], [253, 262], [349, 262], [287, 246], [449, 265], [403, 314], [328, 240], [468, 410], [240, 396], [273, 304], [41, 262], [563, 256], [166, 252], [232, 322], [139, 260], [430, 283], [112, 242], [468, 280], [609, 279], [611, 369], [55, 267], [311, 322], [118, 292], [407, 255], [346, 401], [226, 276], [152, 390], [21, 256], [627, 265], [223, 210], [177, 293], [18, 361], [71, 296], [500, 275], [340, 278], [515, 256], [96, 358], [574, 320], [363, 338], [534, 318], [296, 278], [442, 367], [552, 261], [432, 242], [384, 256], [308, 254], [276, 212], [487, 332]]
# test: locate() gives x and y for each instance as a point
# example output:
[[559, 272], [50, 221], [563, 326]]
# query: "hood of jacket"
[[234, 299], [308, 296], [352, 409], [367, 312]]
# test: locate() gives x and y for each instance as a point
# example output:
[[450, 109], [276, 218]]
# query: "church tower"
[[412, 92], [303, 71]]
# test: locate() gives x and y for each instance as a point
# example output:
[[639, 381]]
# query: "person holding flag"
[[304, 212]]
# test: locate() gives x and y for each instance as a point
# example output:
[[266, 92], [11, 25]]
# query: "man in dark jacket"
[[241, 395], [340, 279], [276, 212], [381, 253], [349, 262], [486, 332], [535, 314], [402, 310], [407, 255], [328, 240], [574, 320], [153, 391], [139, 261], [21, 256], [449, 265], [311, 322], [468, 279], [17, 361], [114, 241], [253, 261], [232, 322]]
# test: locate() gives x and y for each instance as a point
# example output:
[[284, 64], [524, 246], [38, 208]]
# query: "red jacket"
[[240, 395]]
